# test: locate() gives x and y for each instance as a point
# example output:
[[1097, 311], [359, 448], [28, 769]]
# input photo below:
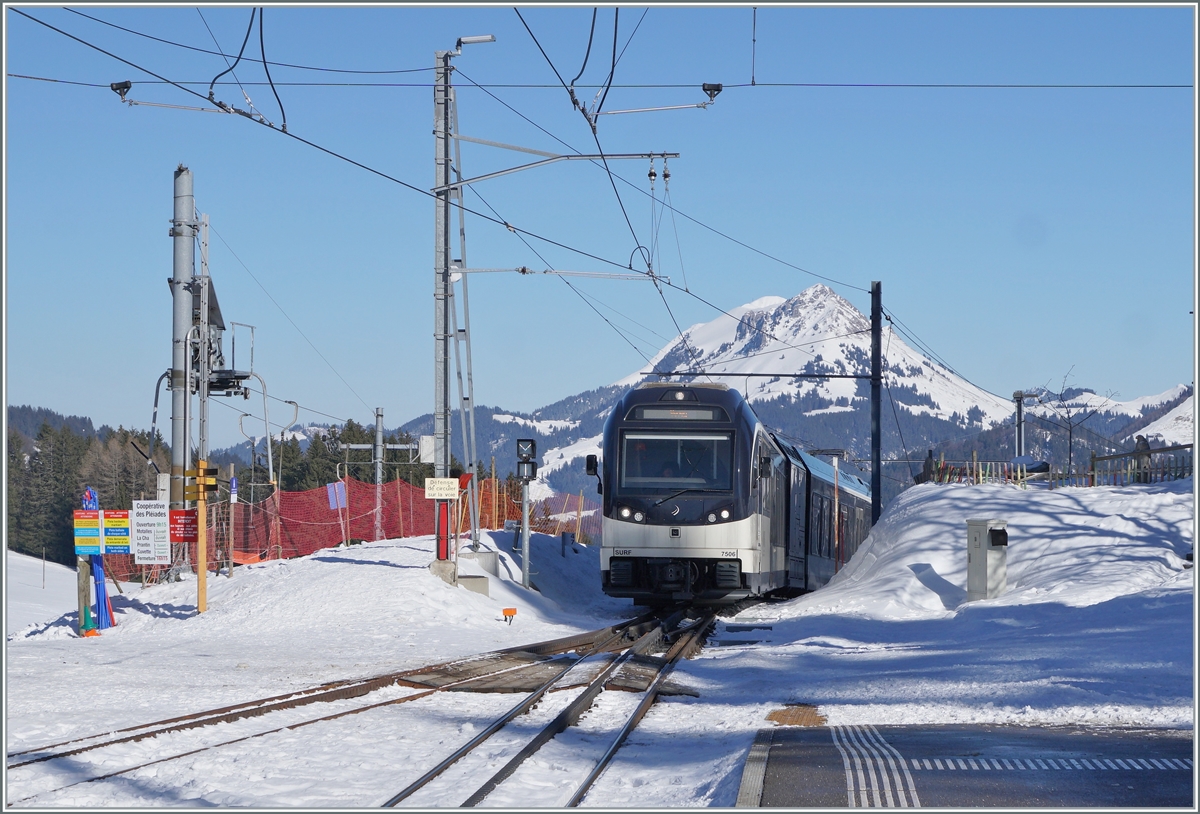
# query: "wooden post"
[[975, 466], [201, 553], [495, 494], [579, 515], [83, 568]]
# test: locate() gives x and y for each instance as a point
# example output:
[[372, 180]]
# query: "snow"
[[30, 599], [1176, 427], [1087, 401], [1096, 628], [773, 335], [542, 426]]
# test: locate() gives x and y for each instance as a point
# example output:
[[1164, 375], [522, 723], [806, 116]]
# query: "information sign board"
[[150, 532], [87, 533], [116, 531], [184, 528], [441, 488]]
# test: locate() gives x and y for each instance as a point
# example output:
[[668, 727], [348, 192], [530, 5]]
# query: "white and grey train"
[[704, 504]]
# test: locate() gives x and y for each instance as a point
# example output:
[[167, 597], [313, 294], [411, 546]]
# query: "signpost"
[[116, 531], [150, 532], [204, 481], [87, 533]]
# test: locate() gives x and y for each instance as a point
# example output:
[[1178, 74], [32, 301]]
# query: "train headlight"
[[724, 514], [639, 516], [625, 513], [712, 517]]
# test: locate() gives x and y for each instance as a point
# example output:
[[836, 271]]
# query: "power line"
[[604, 159], [588, 52], [289, 318], [242, 50], [263, 51], [568, 283], [336, 154], [669, 206], [218, 53]]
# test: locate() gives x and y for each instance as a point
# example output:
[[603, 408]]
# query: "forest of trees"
[[47, 476]]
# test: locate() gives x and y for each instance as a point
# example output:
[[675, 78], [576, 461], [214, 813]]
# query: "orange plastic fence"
[[293, 524]]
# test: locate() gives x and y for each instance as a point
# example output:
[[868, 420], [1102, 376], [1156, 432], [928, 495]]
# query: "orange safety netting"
[[293, 524]]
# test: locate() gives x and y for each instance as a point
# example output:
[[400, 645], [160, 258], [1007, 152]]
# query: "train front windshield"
[[654, 462]]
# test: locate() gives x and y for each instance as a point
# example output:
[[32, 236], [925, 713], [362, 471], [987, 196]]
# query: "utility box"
[[987, 559]]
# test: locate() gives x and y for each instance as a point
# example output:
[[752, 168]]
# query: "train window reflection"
[[655, 462]]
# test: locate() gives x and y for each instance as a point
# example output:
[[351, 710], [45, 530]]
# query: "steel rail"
[[333, 691], [565, 719], [415, 696], [686, 643], [524, 706]]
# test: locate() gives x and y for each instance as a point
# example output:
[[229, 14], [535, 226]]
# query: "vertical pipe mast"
[[377, 457], [205, 345], [441, 293], [183, 231], [467, 400], [876, 381]]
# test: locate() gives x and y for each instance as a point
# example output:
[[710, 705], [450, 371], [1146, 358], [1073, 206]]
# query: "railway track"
[[493, 671], [609, 665]]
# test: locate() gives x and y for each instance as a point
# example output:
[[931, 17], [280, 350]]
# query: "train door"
[[797, 528], [771, 509], [820, 530]]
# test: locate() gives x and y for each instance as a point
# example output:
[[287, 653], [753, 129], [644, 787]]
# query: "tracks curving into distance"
[[458, 674], [684, 637]]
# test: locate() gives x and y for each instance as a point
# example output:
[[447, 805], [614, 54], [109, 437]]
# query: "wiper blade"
[[680, 492]]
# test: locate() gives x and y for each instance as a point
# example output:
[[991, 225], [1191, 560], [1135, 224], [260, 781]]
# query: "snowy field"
[[1096, 628]]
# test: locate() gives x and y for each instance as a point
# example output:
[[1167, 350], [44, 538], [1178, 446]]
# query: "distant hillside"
[[27, 420]]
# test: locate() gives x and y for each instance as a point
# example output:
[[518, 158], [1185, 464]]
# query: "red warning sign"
[[184, 528]]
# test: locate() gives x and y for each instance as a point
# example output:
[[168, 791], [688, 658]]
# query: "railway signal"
[[526, 471]]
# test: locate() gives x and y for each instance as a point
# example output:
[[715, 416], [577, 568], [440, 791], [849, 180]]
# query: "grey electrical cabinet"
[[987, 559]]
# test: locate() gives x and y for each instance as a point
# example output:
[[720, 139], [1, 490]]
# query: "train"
[[704, 504]]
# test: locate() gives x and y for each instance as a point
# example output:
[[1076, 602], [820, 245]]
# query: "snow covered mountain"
[[815, 332], [760, 349]]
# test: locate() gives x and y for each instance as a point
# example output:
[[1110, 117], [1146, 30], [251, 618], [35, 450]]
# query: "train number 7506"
[[730, 554]]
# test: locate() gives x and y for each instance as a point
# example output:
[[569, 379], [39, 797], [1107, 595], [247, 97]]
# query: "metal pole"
[[267, 424], [378, 453], [183, 230], [876, 381], [525, 533], [441, 291], [205, 343], [1019, 398], [467, 400]]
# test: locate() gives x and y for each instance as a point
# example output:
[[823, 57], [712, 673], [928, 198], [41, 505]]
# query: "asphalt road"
[[977, 766]]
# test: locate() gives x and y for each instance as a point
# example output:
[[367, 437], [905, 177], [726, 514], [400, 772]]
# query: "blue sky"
[[1020, 232]]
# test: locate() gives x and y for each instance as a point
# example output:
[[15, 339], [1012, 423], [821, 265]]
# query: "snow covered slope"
[[1176, 427], [30, 599]]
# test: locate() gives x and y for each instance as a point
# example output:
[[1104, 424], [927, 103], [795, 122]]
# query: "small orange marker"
[[94, 632], [509, 613]]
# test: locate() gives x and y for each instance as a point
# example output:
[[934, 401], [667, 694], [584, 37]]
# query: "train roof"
[[823, 470]]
